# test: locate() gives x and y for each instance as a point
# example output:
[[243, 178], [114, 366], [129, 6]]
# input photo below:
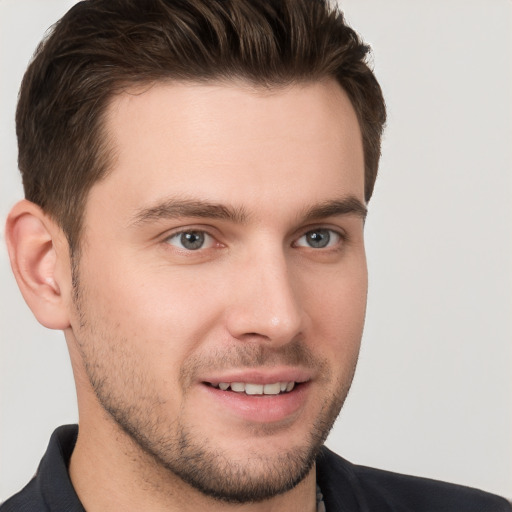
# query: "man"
[[197, 175]]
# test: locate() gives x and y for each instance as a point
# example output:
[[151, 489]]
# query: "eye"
[[191, 240], [319, 239]]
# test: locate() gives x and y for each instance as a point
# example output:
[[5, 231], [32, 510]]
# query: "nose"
[[265, 304]]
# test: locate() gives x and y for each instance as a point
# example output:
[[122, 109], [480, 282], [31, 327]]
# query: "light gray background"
[[433, 393]]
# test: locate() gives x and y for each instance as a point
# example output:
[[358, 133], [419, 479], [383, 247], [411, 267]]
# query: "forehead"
[[232, 143]]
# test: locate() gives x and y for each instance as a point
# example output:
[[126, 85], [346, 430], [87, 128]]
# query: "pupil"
[[319, 238], [192, 240]]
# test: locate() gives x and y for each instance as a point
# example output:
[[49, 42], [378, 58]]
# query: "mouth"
[[258, 397], [248, 388]]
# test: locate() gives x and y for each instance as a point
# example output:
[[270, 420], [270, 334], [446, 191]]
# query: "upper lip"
[[260, 376]]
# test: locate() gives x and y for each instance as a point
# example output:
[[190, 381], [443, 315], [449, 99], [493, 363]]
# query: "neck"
[[110, 472]]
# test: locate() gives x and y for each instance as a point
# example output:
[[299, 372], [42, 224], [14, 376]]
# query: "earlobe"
[[33, 241]]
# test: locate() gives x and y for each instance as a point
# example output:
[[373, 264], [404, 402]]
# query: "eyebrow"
[[175, 208], [349, 205]]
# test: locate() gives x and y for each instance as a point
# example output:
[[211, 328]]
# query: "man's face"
[[222, 280]]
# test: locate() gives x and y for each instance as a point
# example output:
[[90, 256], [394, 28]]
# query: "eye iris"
[[319, 238], [192, 240]]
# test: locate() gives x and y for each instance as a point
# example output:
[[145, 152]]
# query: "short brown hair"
[[102, 46]]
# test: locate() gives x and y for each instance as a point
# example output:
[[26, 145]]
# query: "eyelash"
[[340, 238]]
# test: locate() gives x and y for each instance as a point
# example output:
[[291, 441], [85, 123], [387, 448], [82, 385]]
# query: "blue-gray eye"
[[319, 239], [191, 240]]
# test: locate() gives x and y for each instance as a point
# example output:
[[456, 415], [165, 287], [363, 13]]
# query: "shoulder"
[[29, 499], [423, 494], [375, 489], [51, 488]]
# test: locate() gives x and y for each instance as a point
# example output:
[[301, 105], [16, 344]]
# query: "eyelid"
[[187, 228]]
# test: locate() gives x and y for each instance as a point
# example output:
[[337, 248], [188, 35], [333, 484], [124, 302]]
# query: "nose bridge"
[[266, 303]]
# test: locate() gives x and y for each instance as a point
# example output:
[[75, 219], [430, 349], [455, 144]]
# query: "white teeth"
[[257, 389], [239, 387], [254, 389], [272, 389]]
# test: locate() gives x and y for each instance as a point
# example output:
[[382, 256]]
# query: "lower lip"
[[261, 408]]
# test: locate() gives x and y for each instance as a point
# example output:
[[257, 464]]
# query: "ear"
[[40, 261]]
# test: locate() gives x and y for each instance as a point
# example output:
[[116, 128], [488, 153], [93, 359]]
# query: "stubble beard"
[[197, 462], [186, 453]]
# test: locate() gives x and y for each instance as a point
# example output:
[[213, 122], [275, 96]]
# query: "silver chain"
[[320, 505]]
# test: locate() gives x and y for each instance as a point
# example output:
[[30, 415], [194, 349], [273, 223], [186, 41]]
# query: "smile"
[[258, 397], [248, 388]]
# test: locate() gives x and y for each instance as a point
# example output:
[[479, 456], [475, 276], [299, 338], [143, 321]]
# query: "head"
[[201, 171]]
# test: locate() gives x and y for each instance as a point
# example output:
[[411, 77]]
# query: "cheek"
[[159, 315], [337, 311], [338, 290]]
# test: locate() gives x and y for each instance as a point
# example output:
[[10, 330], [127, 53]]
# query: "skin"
[[151, 322]]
